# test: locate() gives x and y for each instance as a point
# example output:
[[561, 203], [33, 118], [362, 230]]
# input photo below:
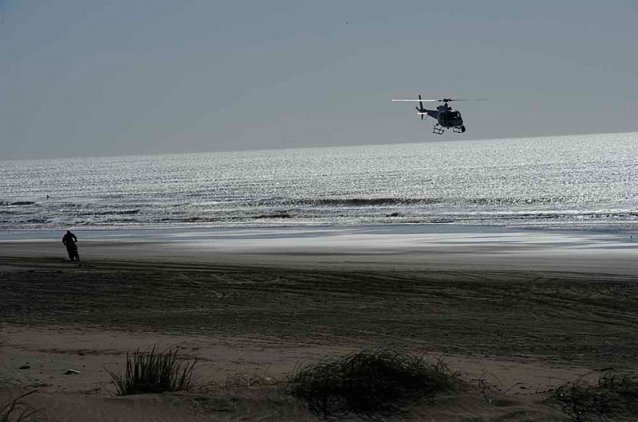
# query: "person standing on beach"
[[69, 240]]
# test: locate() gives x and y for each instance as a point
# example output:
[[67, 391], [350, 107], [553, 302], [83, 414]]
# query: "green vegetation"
[[153, 372], [613, 398], [369, 382]]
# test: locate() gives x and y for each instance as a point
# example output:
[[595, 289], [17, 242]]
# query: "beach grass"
[[614, 397], [154, 372], [369, 382]]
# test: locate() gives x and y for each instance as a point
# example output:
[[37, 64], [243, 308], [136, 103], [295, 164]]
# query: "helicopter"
[[444, 115]]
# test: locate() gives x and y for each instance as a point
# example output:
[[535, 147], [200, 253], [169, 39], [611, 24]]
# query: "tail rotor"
[[420, 109]]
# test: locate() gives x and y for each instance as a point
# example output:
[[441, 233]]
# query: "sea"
[[579, 182]]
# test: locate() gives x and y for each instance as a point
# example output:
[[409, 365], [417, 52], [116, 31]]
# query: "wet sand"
[[525, 311]]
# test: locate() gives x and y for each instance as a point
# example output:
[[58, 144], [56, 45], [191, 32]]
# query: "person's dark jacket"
[[69, 239]]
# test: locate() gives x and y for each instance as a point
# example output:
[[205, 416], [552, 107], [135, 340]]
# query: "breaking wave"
[[375, 202]]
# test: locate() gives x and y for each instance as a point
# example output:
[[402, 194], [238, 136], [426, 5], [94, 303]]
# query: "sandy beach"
[[523, 311]]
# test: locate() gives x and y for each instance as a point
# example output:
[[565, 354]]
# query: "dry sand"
[[522, 311]]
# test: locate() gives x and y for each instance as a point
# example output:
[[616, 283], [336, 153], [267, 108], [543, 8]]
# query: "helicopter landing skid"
[[438, 129], [459, 129]]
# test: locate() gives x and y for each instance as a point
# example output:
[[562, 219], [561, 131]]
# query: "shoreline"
[[379, 247], [197, 230]]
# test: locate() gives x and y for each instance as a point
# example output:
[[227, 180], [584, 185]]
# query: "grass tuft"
[[614, 398], [153, 372], [369, 382], [16, 410]]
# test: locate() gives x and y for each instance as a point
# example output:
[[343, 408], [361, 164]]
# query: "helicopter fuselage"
[[445, 116]]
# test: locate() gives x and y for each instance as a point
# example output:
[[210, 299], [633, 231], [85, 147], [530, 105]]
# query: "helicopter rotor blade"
[[466, 99], [414, 100], [439, 100]]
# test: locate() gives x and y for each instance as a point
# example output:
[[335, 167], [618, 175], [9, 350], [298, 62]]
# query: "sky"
[[89, 77]]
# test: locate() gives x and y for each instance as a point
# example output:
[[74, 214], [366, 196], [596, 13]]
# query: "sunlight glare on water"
[[568, 182]]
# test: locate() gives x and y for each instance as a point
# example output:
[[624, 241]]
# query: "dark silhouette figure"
[[69, 240]]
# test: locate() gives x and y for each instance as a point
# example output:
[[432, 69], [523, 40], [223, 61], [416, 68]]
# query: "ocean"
[[579, 182]]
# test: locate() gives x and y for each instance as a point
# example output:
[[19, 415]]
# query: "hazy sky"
[[89, 77]]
